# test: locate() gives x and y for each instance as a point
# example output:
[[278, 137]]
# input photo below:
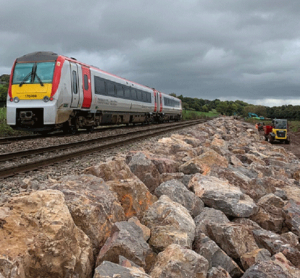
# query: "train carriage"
[[49, 91], [170, 108]]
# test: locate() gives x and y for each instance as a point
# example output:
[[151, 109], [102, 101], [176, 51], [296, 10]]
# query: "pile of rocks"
[[215, 201]]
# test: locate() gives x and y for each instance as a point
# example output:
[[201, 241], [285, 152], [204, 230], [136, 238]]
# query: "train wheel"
[[90, 129], [73, 130]]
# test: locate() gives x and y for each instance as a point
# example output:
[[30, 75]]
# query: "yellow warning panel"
[[31, 91]]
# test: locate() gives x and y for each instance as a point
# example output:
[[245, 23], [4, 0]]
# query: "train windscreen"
[[33, 73]]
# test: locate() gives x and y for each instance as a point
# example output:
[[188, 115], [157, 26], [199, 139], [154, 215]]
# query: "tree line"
[[240, 108], [228, 108]]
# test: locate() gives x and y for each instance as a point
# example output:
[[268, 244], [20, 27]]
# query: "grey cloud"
[[199, 48]]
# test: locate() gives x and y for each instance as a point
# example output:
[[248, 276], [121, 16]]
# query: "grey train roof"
[[41, 56]]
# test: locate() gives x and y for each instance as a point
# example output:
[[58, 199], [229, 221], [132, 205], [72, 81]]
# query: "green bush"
[[3, 92], [192, 115]]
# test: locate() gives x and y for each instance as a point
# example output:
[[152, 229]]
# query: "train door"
[[155, 101], [87, 92], [74, 85], [160, 103]]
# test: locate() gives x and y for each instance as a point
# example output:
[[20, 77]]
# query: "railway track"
[[25, 161], [13, 139]]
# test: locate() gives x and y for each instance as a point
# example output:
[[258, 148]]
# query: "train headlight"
[[16, 99], [46, 99]]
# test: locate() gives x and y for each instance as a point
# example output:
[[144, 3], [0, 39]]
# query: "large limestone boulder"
[[145, 230], [169, 223], [219, 145], [112, 170], [113, 270], [177, 192], [208, 216], [292, 191], [127, 240], [275, 243], [204, 163], [244, 179], [93, 206], [255, 256], [291, 213], [176, 147], [176, 262], [278, 267], [215, 256], [269, 215], [171, 176], [202, 136], [221, 195], [218, 272], [39, 238], [144, 169], [133, 195], [235, 239], [164, 164]]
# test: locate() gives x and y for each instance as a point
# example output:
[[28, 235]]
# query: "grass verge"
[[191, 115]]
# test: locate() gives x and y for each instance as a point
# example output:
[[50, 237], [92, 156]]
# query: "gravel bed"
[[58, 140], [36, 180], [54, 153]]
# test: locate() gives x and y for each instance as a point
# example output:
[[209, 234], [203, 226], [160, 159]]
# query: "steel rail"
[[8, 140]]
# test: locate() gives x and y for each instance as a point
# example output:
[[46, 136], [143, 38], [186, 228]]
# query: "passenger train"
[[50, 92]]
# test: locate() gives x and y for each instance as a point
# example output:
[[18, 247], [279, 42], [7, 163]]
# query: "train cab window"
[[100, 86], [86, 82], [74, 82], [139, 95]]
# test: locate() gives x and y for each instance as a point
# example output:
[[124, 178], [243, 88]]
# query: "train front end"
[[31, 102]]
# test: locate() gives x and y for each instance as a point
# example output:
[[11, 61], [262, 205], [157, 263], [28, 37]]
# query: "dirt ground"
[[294, 145]]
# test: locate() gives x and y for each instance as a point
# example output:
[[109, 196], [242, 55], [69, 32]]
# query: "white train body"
[[49, 91]]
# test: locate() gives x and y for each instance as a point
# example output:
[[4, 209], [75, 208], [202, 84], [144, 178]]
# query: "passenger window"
[[100, 87], [86, 82], [127, 92], [110, 89], [133, 94], [120, 91]]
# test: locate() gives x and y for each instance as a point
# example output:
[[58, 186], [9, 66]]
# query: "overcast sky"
[[227, 49]]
